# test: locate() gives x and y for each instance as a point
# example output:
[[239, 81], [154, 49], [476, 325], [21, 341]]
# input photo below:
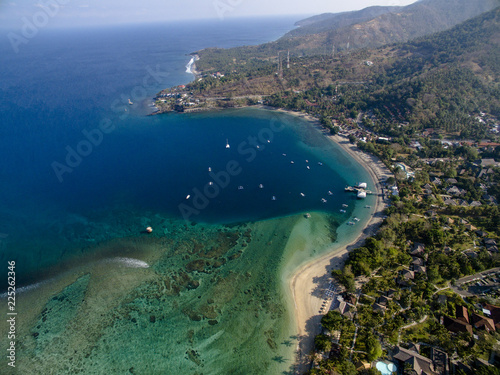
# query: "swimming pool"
[[386, 368]]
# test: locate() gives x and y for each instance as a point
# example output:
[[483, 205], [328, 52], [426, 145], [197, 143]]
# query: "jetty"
[[360, 189]]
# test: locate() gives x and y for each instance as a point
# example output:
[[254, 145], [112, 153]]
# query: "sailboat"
[[227, 144]]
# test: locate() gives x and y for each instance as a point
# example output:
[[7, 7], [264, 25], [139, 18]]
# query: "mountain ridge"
[[418, 19]]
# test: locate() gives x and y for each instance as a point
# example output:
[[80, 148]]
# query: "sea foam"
[[130, 262], [189, 65]]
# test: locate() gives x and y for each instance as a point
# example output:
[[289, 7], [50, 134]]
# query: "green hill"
[[371, 27], [377, 26], [442, 81], [333, 21]]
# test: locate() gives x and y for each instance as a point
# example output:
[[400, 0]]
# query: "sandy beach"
[[308, 281]]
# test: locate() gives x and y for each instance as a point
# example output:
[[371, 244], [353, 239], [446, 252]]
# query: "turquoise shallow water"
[[211, 300], [153, 163], [201, 294]]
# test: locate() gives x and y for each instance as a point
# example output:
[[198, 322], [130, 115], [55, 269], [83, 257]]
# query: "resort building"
[[420, 365]]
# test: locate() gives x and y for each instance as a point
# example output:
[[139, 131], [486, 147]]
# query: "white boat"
[[130, 102], [291, 162], [240, 187], [261, 186], [227, 144], [257, 146], [320, 163], [368, 206], [342, 211], [323, 200], [350, 223], [302, 194], [307, 161], [268, 141], [361, 194], [210, 169], [308, 167], [210, 183], [356, 219], [188, 196], [283, 154], [362, 185], [307, 215], [329, 192], [345, 205], [273, 198]]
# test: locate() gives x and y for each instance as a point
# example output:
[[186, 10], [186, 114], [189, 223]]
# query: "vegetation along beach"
[[240, 188]]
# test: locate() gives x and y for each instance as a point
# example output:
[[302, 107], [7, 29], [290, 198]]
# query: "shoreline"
[[191, 66], [315, 274]]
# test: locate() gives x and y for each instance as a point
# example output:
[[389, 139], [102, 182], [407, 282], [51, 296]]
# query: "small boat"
[[368, 206], [302, 194], [307, 215], [149, 230], [210, 183], [329, 192], [240, 187], [261, 186], [227, 144], [356, 219], [323, 200], [283, 154], [342, 211], [291, 162], [130, 102], [210, 169], [361, 194], [350, 223], [320, 163], [257, 146], [188, 196], [308, 167], [345, 205], [268, 141], [273, 198], [307, 161]]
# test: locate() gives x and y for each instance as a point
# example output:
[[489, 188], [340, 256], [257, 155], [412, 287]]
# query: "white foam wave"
[[27, 287], [189, 65], [130, 262]]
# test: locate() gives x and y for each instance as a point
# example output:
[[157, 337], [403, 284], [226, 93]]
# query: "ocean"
[[85, 171]]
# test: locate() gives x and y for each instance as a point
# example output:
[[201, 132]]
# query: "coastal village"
[[398, 274], [421, 294]]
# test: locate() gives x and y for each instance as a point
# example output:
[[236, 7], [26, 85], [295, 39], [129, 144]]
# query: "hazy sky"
[[89, 12]]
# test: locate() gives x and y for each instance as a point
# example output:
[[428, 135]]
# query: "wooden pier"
[[356, 189]]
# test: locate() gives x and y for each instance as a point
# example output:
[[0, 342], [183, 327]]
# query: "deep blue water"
[[65, 84]]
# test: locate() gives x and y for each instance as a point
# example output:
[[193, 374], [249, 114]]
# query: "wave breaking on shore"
[[191, 67]]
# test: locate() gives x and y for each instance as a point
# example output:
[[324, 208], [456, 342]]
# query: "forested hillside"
[[440, 81], [345, 32]]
